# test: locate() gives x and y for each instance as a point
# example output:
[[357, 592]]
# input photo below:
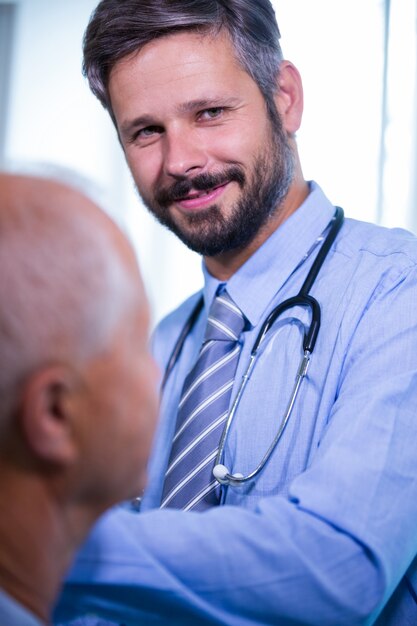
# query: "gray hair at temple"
[[118, 28]]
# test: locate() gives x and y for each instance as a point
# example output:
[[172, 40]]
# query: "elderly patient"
[[78, 401]]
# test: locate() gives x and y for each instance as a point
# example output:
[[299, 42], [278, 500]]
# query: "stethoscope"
[[303, 299]]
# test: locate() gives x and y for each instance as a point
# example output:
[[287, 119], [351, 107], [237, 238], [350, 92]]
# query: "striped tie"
[[203, 408]]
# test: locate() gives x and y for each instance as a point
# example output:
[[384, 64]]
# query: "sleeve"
[[332, 552]]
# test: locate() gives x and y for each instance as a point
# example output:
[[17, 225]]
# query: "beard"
[[208, 231]]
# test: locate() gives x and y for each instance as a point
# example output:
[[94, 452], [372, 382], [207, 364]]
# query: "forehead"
[[182, 66]]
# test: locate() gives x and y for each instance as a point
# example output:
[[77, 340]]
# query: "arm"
[[224, 565]]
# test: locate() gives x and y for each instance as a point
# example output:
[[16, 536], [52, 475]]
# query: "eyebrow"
[[187, 107], [207, 103]]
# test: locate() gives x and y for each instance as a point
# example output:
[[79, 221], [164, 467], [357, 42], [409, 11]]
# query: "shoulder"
[[169, 329], [374, 256], [373, 277], [379, 242]]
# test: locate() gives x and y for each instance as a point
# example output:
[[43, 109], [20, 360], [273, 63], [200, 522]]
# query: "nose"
[[184, 154]]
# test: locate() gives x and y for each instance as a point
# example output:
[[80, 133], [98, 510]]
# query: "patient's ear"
[[45, 417], [289, 98]]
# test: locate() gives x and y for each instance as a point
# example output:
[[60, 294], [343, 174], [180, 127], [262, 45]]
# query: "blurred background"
[[358, 61]]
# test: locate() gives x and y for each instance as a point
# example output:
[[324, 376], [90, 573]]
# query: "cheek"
[[149, 401], [141, 405], [140, 413], [237, 145], [129, 439], [145, 167]]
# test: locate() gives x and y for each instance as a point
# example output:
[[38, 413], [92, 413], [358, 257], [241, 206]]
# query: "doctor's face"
[[206, 157]]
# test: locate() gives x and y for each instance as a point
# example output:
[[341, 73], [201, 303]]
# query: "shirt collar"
[[255, 284]]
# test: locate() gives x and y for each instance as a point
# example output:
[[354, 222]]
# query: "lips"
[[190, 193], [198, 193], [200, 199]]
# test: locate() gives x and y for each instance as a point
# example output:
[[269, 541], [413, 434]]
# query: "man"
[[298, 512], [78, 401]]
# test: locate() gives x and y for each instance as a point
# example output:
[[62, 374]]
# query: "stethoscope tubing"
[[303, 299]]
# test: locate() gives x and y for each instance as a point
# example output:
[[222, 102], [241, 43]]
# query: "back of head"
[[119, 28], [64, 278], [78, 401]]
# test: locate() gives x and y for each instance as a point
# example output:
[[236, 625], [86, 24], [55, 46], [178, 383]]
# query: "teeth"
[[196, 194]]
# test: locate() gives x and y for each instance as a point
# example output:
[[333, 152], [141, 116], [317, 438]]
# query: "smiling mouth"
[[197, 200], [195, 193]]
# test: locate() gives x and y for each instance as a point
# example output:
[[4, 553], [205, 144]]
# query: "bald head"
[[67, 275]]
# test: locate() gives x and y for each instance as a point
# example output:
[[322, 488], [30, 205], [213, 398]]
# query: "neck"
[[224, 265], [37, 544]]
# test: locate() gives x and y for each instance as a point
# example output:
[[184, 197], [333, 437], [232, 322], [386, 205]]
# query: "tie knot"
[[225, 321]]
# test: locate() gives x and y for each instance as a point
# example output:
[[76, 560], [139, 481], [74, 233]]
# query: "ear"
[[45, 416], [289, 98]]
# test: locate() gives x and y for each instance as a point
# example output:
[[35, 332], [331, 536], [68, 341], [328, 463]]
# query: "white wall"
[[338, 48], [336, 45], [53, 116]]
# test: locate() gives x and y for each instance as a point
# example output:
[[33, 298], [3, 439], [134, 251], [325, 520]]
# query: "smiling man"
[[296, 484], [219, 187]]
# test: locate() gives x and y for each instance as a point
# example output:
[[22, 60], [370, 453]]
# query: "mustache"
[[202, 182]]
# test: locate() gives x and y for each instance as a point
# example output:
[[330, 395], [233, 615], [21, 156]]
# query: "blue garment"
[[14, 614], [327, 532]]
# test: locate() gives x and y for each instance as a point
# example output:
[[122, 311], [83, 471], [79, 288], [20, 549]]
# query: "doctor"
[[206, 110]]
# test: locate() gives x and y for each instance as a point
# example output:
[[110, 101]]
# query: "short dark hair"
[[118, 28]]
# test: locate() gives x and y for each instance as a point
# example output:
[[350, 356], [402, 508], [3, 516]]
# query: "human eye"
[[213, 113], [146, 134]]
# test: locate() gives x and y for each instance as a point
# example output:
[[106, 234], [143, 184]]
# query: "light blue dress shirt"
[[327, 532]]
